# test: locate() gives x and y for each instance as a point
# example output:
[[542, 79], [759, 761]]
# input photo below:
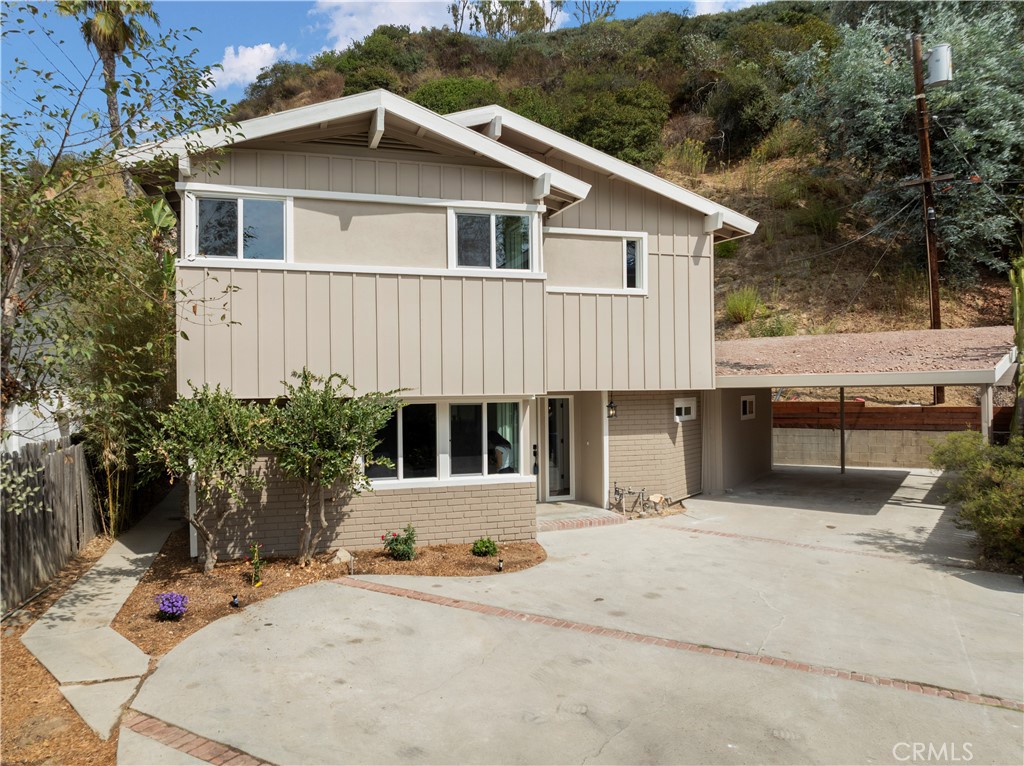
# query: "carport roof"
[[953, 357]]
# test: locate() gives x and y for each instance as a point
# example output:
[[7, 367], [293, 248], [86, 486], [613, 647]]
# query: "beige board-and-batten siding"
[[664, 340], [395, 177], [648, 449], [432, 336], [505, 512]]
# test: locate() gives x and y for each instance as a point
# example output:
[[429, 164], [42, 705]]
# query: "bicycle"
[[619, 495]]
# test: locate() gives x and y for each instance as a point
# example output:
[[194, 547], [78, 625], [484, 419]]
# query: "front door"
[[559, 448]]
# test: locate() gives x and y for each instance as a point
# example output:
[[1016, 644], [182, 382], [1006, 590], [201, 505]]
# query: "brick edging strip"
[[928, 690], [185, 741], [593, 521]]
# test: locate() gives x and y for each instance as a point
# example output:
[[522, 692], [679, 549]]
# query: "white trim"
[[397, 485], [453, 241], [862, 379], [590, 156], [572, 451], [596, 291], [351, 106], [605, 471], [387, 199], [609, 233], [748, 403], [681, 403], [233, 263]]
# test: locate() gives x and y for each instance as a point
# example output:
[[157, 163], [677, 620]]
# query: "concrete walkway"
[[98, 669]]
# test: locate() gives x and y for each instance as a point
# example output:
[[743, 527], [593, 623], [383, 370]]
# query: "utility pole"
[[927, 196]]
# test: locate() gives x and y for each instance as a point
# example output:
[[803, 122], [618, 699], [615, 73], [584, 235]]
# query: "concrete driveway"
[[738, 632]]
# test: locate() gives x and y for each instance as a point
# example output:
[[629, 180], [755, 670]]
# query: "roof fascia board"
[[615, 167], [293, 119], [867, 379]]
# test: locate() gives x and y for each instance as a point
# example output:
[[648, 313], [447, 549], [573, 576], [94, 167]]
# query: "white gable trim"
[[615, 167], [367, 103]]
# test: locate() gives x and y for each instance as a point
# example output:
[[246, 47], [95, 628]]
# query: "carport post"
[[842, 429], [986, 413]]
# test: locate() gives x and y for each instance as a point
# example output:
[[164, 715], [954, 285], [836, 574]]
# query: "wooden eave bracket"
[[376, 127], [713, 222], [185, 166], [493, 130], [542, 186]]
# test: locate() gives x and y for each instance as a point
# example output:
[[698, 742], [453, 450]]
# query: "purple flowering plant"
[[171, 605]]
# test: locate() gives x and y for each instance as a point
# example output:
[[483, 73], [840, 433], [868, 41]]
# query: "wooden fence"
[[863, 417], [48, 515]]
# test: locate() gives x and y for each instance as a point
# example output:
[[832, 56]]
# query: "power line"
[[868, 233], [970, 166]]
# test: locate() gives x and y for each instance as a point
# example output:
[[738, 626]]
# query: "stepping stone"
[[100, 705]]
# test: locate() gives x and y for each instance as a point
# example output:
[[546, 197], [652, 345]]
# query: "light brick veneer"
[[453, 514], [864, 448], [648, 448]]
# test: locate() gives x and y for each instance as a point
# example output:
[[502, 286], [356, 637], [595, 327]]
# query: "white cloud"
[[349, 21], [705, 7], [242, 64]]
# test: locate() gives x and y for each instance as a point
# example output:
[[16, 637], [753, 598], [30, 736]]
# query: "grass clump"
[[772, 327], [688, 157], [743, 305]]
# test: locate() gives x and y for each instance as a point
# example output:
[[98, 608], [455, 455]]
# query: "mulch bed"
[[210, 595], [39, 726]]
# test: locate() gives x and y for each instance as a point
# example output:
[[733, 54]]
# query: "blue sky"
[[243, 35]]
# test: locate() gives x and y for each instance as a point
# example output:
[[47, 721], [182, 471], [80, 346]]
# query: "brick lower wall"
[[868, 448], [648, 448], [454, 514]]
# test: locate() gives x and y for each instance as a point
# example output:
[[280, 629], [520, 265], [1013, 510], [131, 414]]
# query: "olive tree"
[[860, 97], [213, 438], [322, 435]]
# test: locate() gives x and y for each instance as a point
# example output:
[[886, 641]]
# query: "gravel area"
[[972, 348]]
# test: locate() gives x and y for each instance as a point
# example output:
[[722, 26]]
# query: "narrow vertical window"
[[419, 441], [503, 437], [388, 448], [631, 264]]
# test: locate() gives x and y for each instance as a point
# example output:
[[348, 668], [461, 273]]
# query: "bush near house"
[[988, 482]]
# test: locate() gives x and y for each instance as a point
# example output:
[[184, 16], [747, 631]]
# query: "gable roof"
[[374, 105], [597, 159]]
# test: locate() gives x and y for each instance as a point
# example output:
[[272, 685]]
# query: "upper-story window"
[[240, 227], [493, 241]]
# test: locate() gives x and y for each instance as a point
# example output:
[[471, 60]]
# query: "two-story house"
[[547, 309]]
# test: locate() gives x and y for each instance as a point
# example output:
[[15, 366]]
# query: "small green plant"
[[772, 327], [988, 482], [401, 547], [743, 305], [688, 157], [789, 138], [727, 250], [485, 546], [171, 605], [257, 563]]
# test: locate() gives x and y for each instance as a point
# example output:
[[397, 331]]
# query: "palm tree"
[[112, 27]]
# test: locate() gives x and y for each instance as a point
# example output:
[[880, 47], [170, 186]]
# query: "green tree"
[[860, 98], [111, 28], [322, 433], [453, 94], [504, 19], [212, 438]]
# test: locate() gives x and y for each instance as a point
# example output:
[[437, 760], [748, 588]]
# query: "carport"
[[738, 421]]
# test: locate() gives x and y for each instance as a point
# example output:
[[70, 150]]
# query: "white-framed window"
[[445, 441], [747, 411], [239, 227], [633, 259], [493, 240], [685, 408]]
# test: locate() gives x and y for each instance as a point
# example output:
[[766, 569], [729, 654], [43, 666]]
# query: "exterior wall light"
[[612, 410]]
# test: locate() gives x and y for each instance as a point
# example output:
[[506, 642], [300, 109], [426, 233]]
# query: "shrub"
[[688, 157], [989, 485], [453, 94], [370, 77], [727, 249], [485, 546], [772, 327], [790, 138], [401, 547], [742, 305], [171, 605]]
